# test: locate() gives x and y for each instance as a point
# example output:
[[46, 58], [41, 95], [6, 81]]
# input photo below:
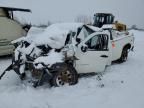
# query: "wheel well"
[[127, 46]]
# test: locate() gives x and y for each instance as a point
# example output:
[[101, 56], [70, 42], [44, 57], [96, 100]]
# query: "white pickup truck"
[[99, 49], [60, 54]]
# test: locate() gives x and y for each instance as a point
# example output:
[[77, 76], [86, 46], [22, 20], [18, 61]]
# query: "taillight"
[[113, 45]]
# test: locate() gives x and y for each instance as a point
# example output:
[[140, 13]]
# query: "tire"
[[66, 75], [124, 55]]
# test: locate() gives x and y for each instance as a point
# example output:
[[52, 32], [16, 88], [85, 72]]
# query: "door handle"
[[104, 56]]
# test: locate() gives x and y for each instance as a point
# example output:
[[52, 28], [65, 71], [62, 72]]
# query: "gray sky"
[[126, 11]]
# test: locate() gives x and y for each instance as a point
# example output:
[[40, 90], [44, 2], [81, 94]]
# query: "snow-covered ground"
[[123, 87]]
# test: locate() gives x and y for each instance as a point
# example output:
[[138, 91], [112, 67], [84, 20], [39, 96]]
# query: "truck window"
[[98, 43]]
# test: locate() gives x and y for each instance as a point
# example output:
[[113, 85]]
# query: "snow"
[[106, 26], [121, 35], [26, 51], [18, 40], [123, 87], [66, 26], [94, 28], [52, 58], [54, 35], [35, 30]]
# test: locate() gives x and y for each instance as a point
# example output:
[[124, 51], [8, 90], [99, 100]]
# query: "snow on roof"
[[107, 26], [94, 28], [54, 35], [66, 26]]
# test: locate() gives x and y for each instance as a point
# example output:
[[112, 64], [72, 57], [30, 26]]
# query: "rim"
[[64, 78]]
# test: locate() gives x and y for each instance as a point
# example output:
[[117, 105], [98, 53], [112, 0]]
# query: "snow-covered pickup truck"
[[63, 51]]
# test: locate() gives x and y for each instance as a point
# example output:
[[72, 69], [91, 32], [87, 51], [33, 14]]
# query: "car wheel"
[[66, 75]]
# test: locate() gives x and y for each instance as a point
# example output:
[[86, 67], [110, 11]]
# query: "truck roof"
[[15, 9], [103, 14]]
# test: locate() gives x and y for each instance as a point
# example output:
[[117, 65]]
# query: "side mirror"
[[78, 40], [84, 48]]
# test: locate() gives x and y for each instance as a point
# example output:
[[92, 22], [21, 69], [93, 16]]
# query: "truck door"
[[93, 55]]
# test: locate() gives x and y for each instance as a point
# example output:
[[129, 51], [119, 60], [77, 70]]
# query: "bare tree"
[[83, 19]]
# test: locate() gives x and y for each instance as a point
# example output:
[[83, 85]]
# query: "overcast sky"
[[126, 11]]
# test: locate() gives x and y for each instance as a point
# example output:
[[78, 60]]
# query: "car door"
[[93, 54]]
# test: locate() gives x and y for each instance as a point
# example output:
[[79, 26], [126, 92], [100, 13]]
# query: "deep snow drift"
[[123, 87]]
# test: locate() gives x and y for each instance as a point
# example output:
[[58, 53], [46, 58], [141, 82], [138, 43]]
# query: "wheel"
[[66, 75], [124, 55]]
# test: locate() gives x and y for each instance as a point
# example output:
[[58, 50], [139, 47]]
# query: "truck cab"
[[101, 19], [101, 48], [94, 53]]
